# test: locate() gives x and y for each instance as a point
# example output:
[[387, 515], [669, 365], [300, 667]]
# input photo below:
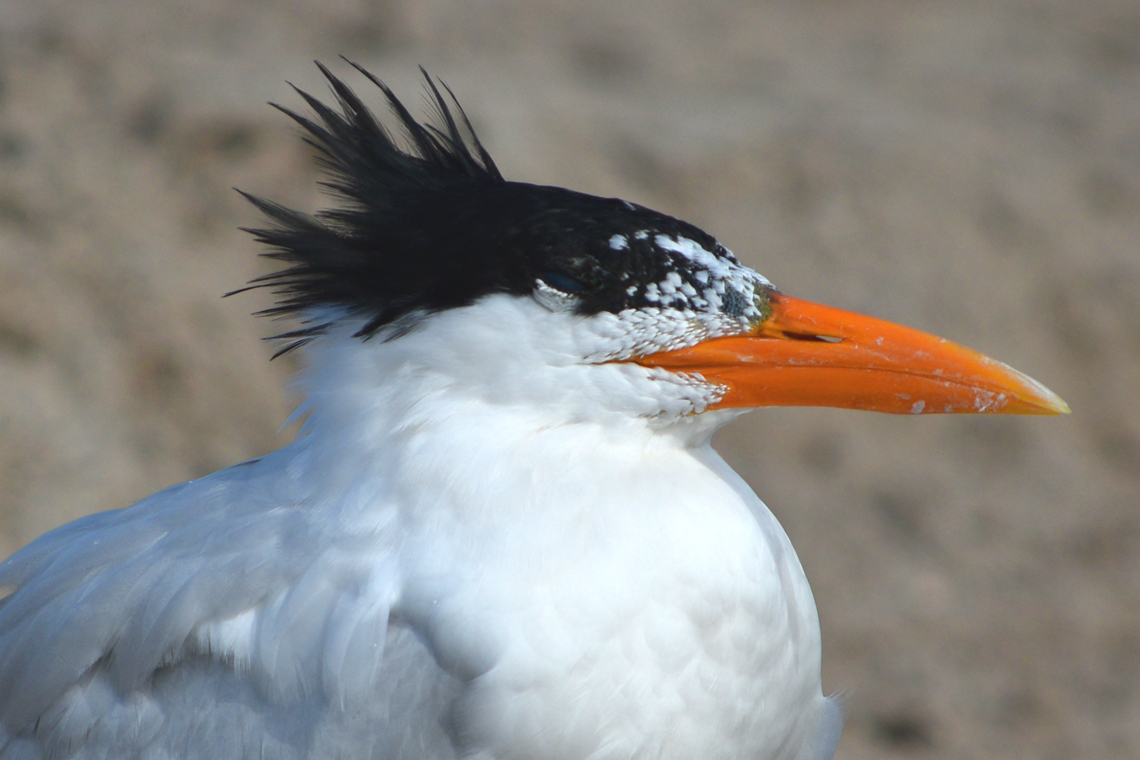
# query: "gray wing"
[[228, 617]]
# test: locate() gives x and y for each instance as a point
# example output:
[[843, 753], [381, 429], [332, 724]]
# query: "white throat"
[[510, 356]]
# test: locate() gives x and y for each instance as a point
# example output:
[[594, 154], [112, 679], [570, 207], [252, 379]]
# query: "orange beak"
[[805, 354]]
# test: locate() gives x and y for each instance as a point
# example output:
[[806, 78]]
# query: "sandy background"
[[969, 168]]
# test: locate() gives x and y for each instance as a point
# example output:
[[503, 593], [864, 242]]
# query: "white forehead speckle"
[[671, 283], [703, 281], [619, 242], [698, 254]]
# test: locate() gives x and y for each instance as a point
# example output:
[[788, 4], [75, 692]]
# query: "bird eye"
[[563, 282]]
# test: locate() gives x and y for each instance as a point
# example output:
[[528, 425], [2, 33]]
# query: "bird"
[[501, 532]]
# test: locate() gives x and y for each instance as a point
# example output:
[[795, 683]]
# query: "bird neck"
[[502, 358], [422, 422]]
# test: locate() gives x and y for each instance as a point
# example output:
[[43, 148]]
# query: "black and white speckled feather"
[[435, 226]]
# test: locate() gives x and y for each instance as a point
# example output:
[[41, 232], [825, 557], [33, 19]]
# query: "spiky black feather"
[[435, 226], [361, 256]]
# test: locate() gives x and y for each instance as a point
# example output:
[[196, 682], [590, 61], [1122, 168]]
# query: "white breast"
[[611, 595]]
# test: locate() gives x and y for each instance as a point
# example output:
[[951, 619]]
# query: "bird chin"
[[697, 430]]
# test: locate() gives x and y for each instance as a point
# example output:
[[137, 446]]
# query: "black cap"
[[435, 226]]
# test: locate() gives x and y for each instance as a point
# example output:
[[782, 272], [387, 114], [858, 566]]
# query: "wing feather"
[[237, 586]]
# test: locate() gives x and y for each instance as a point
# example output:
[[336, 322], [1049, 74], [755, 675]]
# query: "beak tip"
[[1058, 406], [1041, 400]]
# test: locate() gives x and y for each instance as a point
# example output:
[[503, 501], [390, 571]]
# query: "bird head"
[[546, 295]]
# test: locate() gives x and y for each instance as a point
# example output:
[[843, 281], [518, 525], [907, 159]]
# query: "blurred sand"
[[968, 168]]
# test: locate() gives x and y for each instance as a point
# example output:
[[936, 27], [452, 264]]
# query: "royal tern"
[[502, 533]]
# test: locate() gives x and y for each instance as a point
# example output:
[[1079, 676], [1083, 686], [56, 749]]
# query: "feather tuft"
[[376, 254]]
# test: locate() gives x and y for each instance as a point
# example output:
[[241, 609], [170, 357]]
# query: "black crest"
[[434, 226], [362, 256]]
